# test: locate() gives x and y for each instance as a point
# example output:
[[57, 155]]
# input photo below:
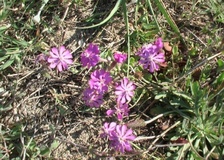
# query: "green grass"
[[188, 93]]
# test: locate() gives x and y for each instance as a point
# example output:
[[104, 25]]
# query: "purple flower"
[[92, 97], [107, 129], [159, 43], [41, 58], [120, 57], [120, 110], [100, 80], [151, 56], [121, 138], [60, 57], [90, 57], [125, 91]]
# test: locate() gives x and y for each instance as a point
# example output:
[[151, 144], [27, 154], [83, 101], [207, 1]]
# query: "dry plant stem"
[[158, 116], [153, 119], [26, 75], [161, 135], [66, 11], [192, 147], [136, 101], [198, 65], [140, 138], [167, 145], [150, 105], [206, 158], [197, 37], [5, 146], [25, 146]]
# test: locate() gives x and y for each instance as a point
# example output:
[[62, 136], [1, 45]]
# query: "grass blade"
[[154, 17], [114, 10], [169, 19]]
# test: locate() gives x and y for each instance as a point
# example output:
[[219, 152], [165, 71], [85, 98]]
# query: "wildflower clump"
[[151, 56], [100, 79]]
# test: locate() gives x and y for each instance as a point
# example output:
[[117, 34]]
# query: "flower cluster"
[[100, 79], [120, 136], [98, 85], [124, 93], [151, 56]]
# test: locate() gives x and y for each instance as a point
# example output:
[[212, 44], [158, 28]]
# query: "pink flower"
[[120, 57], [120, 110], [107, 129], [60, 57], [151, 56], [92, 98], [90, 57], [121, 138], [100, 80], [125, 91]]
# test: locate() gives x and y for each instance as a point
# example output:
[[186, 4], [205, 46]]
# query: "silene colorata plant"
[[119, 135]]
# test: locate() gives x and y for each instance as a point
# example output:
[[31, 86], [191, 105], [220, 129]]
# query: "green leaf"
[[4, 109], [54, 145], [175, 50], [149, 26], [169, 19], [45, 151], [114, 10], [4, 28], [160, 95], [220, 65], [132, 61], [4, 57], [7, 64], [220, 78], [195, 88], [182, 95]]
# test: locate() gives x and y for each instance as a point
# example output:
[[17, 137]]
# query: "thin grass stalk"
[[153, 14]]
